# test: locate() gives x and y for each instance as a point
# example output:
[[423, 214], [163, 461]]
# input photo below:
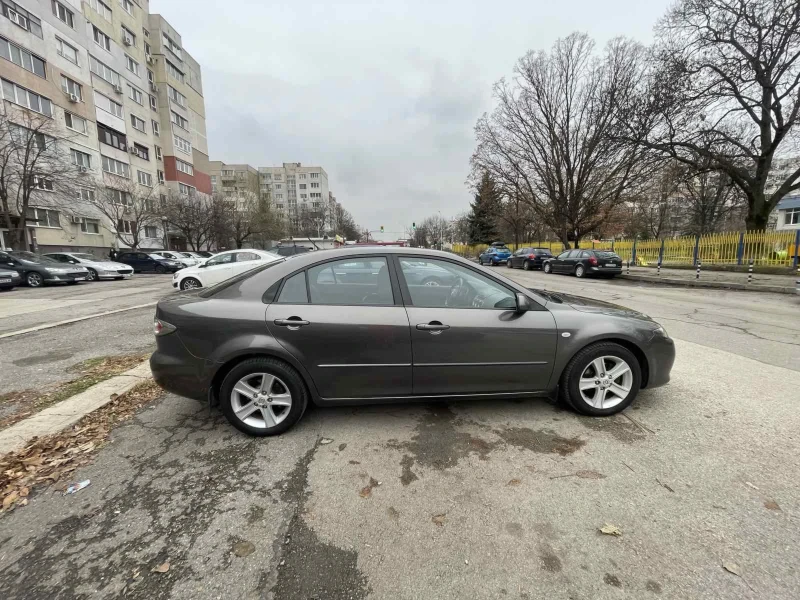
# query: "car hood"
[[590, 305]]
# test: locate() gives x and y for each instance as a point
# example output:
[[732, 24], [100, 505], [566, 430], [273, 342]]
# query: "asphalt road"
[[488, 499]]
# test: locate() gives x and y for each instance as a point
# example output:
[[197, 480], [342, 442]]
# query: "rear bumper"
[[605, 271], [178, 371]]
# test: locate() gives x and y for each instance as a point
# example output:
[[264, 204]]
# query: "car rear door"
[[244, 261], [218, 268], [353, 337], [468, 343]]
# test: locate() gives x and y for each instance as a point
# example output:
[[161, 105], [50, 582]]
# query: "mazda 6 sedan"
[[342, 327]]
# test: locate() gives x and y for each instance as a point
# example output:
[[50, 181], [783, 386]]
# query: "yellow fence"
[[776, 248]]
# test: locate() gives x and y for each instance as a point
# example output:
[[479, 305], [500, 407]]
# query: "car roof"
[[308, 258]]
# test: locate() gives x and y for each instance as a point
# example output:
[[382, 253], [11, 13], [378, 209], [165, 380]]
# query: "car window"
[[351, 282], [574, 253], [563, 255], [58, 257], [606, 254], [294, 290], [142, 256], [585, 254], [220, 260], [464, 289], [245, 256]]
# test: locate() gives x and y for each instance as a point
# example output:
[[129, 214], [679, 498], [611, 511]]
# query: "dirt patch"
[[543, 441], [624, 431], [15, 406], [43, 359], [612, 580], [550, 562], [408, 476], [49, 459], [653, 586]]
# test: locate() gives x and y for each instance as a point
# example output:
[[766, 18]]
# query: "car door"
[[10, 263], [558, 262], [466, 338], [353, 337], [145, 262], [244, 261], [218, 268]]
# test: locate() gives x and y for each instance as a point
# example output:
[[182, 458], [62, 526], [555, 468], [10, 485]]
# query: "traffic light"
[[413, 227], [381, 228]]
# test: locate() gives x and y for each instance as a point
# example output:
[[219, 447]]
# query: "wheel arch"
[[625, 343]]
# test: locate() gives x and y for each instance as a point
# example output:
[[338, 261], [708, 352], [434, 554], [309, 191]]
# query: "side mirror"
[[523, 303]]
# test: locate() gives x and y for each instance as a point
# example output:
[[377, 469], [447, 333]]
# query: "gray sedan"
[[267, 342], [97, 268]]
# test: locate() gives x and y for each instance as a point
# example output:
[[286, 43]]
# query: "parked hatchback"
[[529, 258], [37, 270], [220, 267], [149, 262], [494, 255], [604, 263], [341, 327]]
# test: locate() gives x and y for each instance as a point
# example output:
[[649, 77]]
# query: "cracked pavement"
[[489, 499]]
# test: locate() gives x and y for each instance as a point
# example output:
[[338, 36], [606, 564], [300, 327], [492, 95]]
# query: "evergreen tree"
[[481, 219]]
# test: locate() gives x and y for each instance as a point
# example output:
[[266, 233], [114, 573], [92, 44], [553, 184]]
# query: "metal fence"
[[775, 248]]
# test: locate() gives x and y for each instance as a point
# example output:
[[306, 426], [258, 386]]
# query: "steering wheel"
[[459, 294]]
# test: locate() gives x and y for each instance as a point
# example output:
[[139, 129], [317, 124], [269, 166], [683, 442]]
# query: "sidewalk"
[[781, 284]]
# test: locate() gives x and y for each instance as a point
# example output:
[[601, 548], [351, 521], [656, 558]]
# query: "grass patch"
[[21, 404]]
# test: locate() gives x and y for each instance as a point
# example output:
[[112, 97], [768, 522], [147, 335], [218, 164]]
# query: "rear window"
[[605, 254], [502, 249]]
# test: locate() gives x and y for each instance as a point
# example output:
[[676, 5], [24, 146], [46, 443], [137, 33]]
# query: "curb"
[[70, 411], [723, 285]]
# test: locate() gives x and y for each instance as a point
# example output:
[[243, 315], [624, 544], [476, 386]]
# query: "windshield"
[[159, 256], [33, 258], [83, 256], [186, 254]]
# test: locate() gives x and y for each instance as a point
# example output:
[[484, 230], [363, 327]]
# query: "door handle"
[[292, 322], [434, 327]]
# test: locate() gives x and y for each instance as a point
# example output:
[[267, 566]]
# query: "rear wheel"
[[160, 269], [602, 379], [526, 265], [580, 271], [547, 268], [263, 396]]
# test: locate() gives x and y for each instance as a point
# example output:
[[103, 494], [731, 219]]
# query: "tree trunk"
[[17, 238], [756, 221]]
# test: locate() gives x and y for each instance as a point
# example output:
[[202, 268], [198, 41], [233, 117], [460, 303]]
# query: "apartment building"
[[127, 100], [292, 186], [233, 179]]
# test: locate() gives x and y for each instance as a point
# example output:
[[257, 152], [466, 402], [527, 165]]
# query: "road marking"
[[75, 320]]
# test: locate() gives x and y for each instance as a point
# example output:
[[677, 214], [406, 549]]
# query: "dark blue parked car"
[[495, 255]]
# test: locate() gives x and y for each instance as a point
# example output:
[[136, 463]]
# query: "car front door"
[[559, 261], [352, 336], [218, 268], [145, 262], [466, 337]]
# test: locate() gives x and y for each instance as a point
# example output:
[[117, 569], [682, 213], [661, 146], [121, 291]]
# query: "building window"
[[64, 50], [303, 196], [153, 102], [314, 185], [144, 178], [43, 217], [128, 6], [179, 120], [228, 172], [142, 152], [163, 200], [302, 186], [184, 167], [792, 216], [116, 167], [128, 37], [21, 57], [68, 86], [160, 176], [112, 138], [19, 95], [278, 186], [42, 183], [137, 123], [119, 197], [174, 72], [313, 195], [101, 8], [75, 122], [278, 177], [89, 225], [186, 189], [135, 95], [124, 226], [156, 128], [62, 13], [80, 159], [85, 195], [107, 104], [182, 144], [176, 96], [103, 71], [21, 17], [172, 46], [150, 231], [278, 196], [301, 176], [131, 65], [314, 175], [158, 152], [101, 39]]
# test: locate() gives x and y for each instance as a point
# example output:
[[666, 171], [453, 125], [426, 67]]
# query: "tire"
[[508, 264], [526, 266], [92, 276], [160, 269], [583, 362], [287, 379], [190, 283], [580, 271], [34, 279], [547, 268]]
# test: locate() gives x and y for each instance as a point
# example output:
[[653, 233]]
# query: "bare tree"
[[345, 224], [516, 218], [710, 198], [130, 207], [36, 169], [554, 137], [193, 216], [723, 92], [243, 218]]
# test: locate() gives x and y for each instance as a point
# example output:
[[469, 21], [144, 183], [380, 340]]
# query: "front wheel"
[[263, 396], [600, 380], [508, 264], [580, 271], [92, 275], [547, 268], [160, 269], [190, 283], [34, 280]]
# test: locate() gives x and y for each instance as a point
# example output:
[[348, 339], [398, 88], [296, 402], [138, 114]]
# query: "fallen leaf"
[[342, 447], [609, 529], [731, 567], [366, 492], [439, 519], [162, 568], [25, 491], [771, 505], [514, 482], [10, 499], [325, 441], [747, 483], [244, 548], [353, 462]]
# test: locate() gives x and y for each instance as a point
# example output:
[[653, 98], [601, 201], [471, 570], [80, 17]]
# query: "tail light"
[[531, 256], [593, 261], [162, 327]]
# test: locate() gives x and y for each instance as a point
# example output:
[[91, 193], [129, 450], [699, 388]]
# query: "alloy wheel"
[[579, 271], [34, 280], [261, 400], [190, 284], [91, 275], [547, 268], [605, 382]]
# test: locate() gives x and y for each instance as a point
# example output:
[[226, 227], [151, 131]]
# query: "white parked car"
[[181, 257], [98, 268], [220, 267]]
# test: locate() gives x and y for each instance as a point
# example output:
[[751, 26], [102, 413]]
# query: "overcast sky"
[[383, 95]]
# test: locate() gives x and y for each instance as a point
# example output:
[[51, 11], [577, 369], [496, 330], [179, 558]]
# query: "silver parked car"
[[338, 327], [97, 268]]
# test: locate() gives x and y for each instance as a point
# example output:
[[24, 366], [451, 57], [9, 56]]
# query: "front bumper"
[[660, 358], [115, 274], [64, 277]]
